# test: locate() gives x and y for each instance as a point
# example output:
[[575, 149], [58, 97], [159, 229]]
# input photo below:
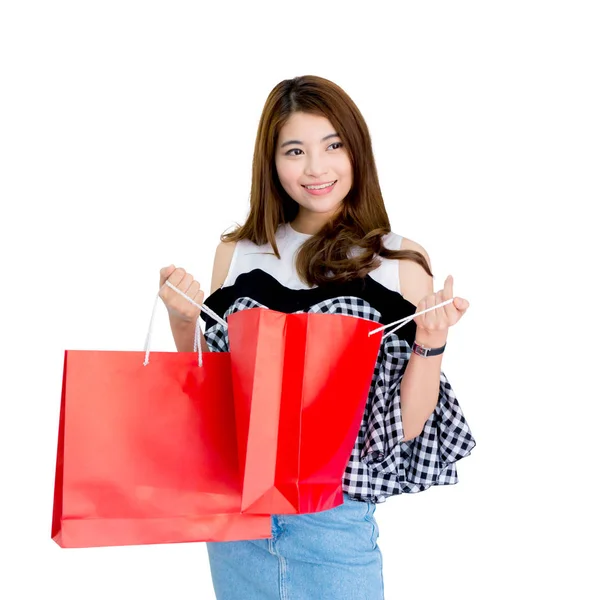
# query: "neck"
[[310, 224]]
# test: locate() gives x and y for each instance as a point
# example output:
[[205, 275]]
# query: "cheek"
[[345, 169], [288, 174]]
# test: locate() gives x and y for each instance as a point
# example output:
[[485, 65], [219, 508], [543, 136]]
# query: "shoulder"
[[224, 253], [415, 282], [392, 241], [407, 244]]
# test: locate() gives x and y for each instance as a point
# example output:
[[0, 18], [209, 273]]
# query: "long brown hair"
[[362, 220]]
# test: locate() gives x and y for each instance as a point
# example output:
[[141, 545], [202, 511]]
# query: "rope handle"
[[197, 336], [197, 345], [406, 320]]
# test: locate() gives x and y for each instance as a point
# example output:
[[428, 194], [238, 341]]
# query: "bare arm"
[[420, 383], [221, 264]]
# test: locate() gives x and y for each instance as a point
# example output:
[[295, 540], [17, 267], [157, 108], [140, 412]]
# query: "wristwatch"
[[424, 351]]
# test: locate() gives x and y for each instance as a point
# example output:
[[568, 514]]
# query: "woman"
[[318, 238]]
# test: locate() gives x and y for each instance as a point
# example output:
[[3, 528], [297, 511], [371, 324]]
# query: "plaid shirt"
[[381, 464]]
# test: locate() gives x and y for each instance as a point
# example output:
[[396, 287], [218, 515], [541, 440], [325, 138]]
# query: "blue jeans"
[[320, 556]]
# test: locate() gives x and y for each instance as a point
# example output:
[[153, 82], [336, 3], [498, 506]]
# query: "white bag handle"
[[406, 320], [197, 344]]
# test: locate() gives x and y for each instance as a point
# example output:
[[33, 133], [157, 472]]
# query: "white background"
[[126, 138]]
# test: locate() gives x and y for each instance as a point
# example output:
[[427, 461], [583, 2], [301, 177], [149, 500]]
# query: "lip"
[[324, 191], [320, 183]]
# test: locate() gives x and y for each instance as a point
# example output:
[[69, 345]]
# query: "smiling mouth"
[[320, 187]]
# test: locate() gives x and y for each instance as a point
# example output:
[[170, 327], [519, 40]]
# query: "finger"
[[430, 318], [419, 308], [422, 304], [186, 283], [461, 304], [176, 277], [452, 313], [196, 294], [165, 273], [440, 312], [200, 296], [448, 289], [179, 279], [193, 291]]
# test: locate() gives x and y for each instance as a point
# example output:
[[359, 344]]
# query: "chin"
[[330, 212], [318, 205]]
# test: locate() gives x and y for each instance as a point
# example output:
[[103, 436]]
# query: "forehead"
[[306, 127]]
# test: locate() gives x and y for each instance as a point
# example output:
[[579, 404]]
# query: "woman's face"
[[309, 151]]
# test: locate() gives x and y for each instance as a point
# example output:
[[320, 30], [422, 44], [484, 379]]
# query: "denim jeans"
[[320, 556]]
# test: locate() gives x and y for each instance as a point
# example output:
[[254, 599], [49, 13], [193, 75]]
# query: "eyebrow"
[[327, 137]]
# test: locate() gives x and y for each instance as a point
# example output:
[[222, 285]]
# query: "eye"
[[337, 144]]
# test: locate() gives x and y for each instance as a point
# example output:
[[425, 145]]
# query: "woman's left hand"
[[432, 326]]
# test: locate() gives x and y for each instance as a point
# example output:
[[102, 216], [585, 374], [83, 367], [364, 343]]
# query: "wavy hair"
[[362, 220]]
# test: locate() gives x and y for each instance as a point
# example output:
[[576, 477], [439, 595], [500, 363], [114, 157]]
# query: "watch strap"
[[424, 351]]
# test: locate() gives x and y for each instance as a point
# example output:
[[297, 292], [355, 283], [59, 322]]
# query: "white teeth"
[[318, 187]]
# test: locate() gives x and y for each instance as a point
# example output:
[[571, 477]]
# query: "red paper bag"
[[300, 387], [147, 454]]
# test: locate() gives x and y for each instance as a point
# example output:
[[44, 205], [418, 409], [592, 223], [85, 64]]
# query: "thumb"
[[461, 304]]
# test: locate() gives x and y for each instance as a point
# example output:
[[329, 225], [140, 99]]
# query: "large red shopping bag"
[[300, 387], [147, 454]]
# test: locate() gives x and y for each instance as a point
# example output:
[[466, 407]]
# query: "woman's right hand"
[[180, 308]]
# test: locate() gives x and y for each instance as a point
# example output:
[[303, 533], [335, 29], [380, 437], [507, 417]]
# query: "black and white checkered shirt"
[[380, 464]]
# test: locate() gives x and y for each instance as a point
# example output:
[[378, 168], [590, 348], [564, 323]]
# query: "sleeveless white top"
[[381, 463], [248, 256]]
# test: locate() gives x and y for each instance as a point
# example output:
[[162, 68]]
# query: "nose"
[[315, 166]]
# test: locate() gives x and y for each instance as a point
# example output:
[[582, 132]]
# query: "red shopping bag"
[[147, 454], [300, 387]]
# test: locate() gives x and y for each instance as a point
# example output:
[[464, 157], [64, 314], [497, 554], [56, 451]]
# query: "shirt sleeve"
[[429, 459]]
